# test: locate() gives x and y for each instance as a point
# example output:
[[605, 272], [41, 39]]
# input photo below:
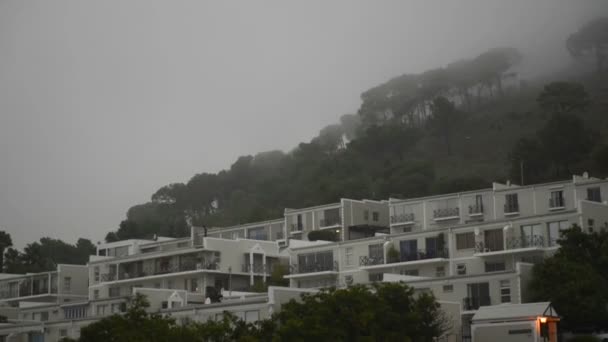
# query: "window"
[[193, 285], [375, 216], [495, 266], [505, 291], [67, 284], [95, 294], [349, 256], [366, 215], [557, 199], [461, 269], [257, 234], [413, 273], [465, 241], [114, 291], [316, 262], [594, 194], [299, 225], [376, 252], [440, 271], [590, 224], [170, 283], [115, 308], [102, 252], [252, 316], [96, 271], [101, 309], [448, 288], [511, 203], [531, 235], [554, 230], [493, 240], [63, 333]]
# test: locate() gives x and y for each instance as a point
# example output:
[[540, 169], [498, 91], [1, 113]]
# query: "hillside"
[[404, 142]]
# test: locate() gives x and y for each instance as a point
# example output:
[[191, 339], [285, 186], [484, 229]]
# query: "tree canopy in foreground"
[[381, 312]]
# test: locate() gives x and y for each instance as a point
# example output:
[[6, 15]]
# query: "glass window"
[[495, 266], [193, 285], [461, 269], [465, 240], [349, 256], [440, 271], [96, 272], [557, 199], [505, 291], [448, 288], [493, 240], [366, 215], [414, 273], [257, 234], [554, 230], [375, 216], [511, 203], [376, 252], [594, 194], [67, 284], [95, 294]]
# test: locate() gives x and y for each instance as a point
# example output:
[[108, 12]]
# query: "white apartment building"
[[350, 219], [474, 248]]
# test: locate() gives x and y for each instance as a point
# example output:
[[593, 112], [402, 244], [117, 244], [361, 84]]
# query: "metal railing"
[[473, 303], [297, 227], [557, 202], [257, 268], [422, 254], [476, 209], [331, 221], [448, 212], [481, 247], [153, 270], [525, 241], [311, 268], [370, 261], [511, 208], [402, 218]]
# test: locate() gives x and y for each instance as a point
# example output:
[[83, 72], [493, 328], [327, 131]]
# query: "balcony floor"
[[404, 263]]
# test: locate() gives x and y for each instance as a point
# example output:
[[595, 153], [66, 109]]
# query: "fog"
[[101, 103]]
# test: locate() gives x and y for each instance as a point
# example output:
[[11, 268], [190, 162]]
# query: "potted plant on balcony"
[[392, 255]]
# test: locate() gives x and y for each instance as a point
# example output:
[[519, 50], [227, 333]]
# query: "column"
[[251, 268]]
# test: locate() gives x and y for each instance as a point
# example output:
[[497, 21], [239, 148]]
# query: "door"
[[493, 240], [409, 250], [478, 294], [431, 247]]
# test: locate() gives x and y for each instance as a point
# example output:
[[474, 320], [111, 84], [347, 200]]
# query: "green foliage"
[[563, 98], [46, 254], [384, 312], [445, 118], [582, 301], [392, 254], [5, 242], [591, 39], [324, 235]]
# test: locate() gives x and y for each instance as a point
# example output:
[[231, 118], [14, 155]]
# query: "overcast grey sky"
[[101, 103]]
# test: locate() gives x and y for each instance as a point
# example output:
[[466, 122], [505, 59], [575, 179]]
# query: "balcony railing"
[[370, 261], [445, 213], [311, 268], [257, 268], [525, 242], [280, 235], [331, 221], [153, 270], [511, 208], [402, 218], [481, 247], [473, 303], [476, 209], [424, 254], [557, 202], [296, 227]]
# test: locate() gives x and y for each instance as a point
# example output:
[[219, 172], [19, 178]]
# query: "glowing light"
[[543, 319]]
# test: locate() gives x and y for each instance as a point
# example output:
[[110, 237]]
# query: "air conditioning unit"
[[348, 280]]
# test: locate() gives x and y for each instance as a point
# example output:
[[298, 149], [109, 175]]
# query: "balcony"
[[151, 270], [481, 247], [511, 209], [446, 214], [556, 203], [403, 218], [476, 210], [425, 255], [370, 261], [525, 242], [313, 268], [330, 222], [256, 268], [473, 303]]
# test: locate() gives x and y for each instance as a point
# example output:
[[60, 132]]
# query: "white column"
[[251, 268], [49, 285], [264, 265]]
